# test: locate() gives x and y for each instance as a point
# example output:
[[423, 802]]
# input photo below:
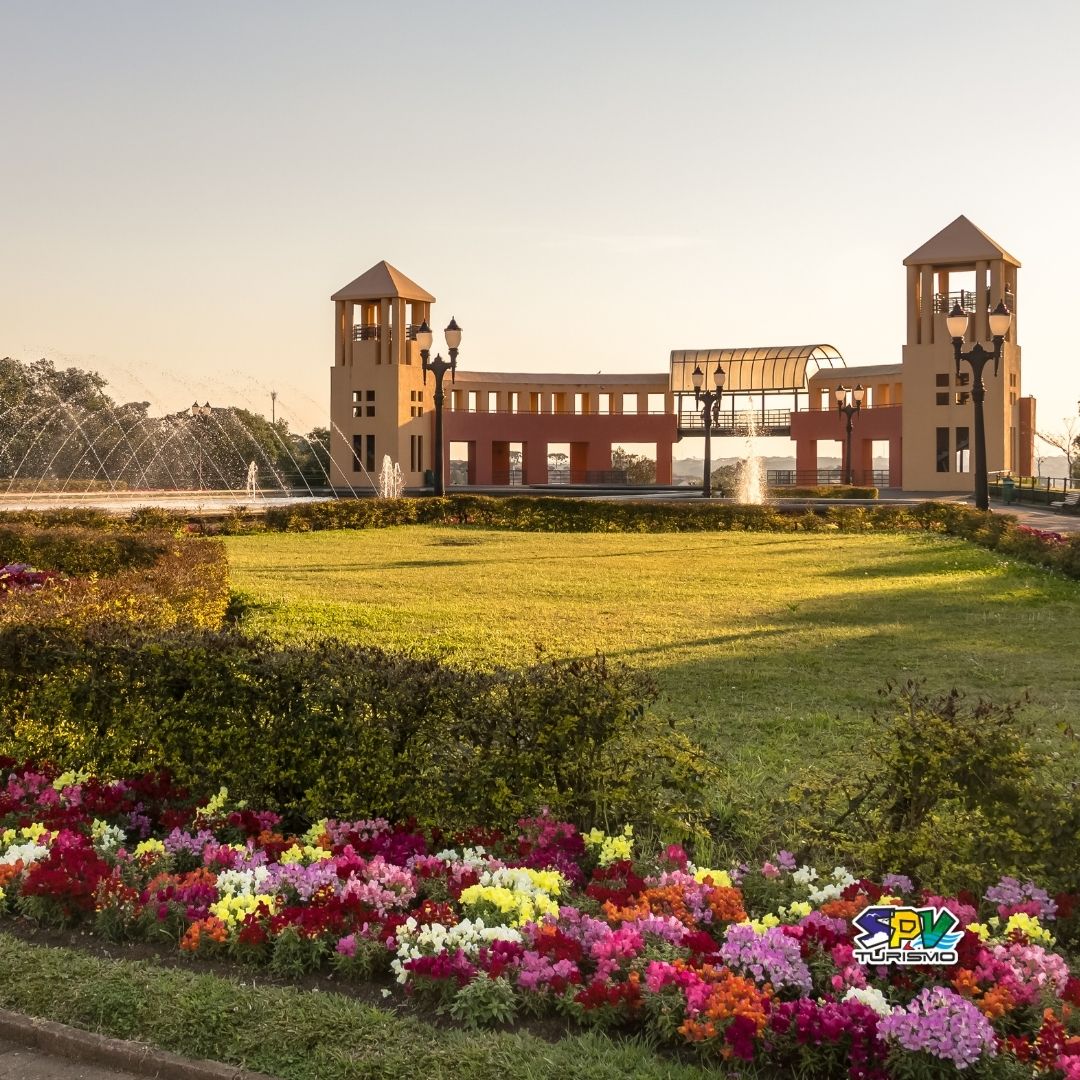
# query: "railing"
[[825, 477], [599, 477], [767, 422], [373, 333], [548, 412], [968, 301], [1036, 490]]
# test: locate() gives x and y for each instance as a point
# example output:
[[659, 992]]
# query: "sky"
[[585, 185]]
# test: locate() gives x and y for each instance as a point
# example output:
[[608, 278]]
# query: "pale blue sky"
[[584, 185]]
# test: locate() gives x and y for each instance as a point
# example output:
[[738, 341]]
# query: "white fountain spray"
[[391, 482], [751, 474]]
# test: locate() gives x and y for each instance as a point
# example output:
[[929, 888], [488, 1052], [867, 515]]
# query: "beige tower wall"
[[934, 398], [388, 365]]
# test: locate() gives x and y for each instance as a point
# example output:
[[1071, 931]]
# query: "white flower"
[[28, 853], [242, 882], [804, 875], [432, 939], [870, 996]]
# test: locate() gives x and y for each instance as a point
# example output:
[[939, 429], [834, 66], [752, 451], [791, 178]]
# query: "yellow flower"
[[612, 848], [234, 909], [150, 847], [306, 854], [766, 922], [721, 879], [798, 910], [1030, 927], [981, 929], [316, 830]]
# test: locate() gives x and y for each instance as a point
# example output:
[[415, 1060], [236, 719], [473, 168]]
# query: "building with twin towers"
[[539, 429]]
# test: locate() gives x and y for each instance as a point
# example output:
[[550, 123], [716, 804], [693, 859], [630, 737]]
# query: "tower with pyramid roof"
[[960, 265], [378, 400]]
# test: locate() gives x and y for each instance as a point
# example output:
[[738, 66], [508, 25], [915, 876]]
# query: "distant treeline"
[[60, 429]]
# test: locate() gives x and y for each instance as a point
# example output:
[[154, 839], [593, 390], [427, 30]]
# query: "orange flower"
[[731, 995], [996, 1002], [9, 873], [212, 928], [727, 905], [844, 909]]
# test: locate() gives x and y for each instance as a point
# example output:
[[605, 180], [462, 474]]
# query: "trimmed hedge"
[[79, 549], [149, 580], [997, 531], [327, 727]]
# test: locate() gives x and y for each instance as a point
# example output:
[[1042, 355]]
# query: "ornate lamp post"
[[709, 400], [849, 408], [978, 357], [439, 367]]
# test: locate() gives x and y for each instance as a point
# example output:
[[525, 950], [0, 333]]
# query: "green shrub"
[[327, 728], [155, 582], [79, 549], [951, 792]]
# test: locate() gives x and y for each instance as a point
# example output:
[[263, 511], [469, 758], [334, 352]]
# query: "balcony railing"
[[374, 332], [767, 422], [825, 477], [968, 301]]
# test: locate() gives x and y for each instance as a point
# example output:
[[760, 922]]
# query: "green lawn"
[[774, 645]]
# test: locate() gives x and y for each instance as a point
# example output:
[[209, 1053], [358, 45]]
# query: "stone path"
[[43, 1050], [20, 1063]]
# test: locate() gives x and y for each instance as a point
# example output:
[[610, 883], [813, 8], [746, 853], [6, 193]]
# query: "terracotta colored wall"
[[593, 436], [872, 425]]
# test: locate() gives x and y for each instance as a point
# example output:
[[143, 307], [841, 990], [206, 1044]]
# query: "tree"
[[1067, 440], [557, 463], [640, 470], [61, 429]]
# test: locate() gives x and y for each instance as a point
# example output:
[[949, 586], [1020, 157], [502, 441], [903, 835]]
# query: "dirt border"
[[59, 1040]]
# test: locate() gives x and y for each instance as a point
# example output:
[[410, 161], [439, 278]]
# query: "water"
[[391, 482], [752, 486], [62, 435]]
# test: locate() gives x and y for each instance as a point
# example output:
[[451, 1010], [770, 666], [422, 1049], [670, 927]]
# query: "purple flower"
[[785, 860], [1011, 895], [772, 957], [942, 1023], [897, 883]]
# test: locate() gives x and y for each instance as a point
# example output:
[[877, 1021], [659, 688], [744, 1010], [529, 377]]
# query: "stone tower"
[[961, 264], [378, 402]]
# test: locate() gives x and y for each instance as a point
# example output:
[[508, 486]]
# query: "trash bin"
[[1008, 489], [429, 478]]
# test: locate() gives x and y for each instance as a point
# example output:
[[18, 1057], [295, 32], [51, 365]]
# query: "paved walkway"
[[43, 1050], [20, 1063]]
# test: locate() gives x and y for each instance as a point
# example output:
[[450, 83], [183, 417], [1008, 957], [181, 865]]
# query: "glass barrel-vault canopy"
[[777, 369]]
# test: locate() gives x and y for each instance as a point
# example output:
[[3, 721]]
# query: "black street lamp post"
[[849, 408], [439, 367], [709, 400], [978, 357]]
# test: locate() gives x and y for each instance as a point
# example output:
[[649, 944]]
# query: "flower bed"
[[744, 964], [20, 578]]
